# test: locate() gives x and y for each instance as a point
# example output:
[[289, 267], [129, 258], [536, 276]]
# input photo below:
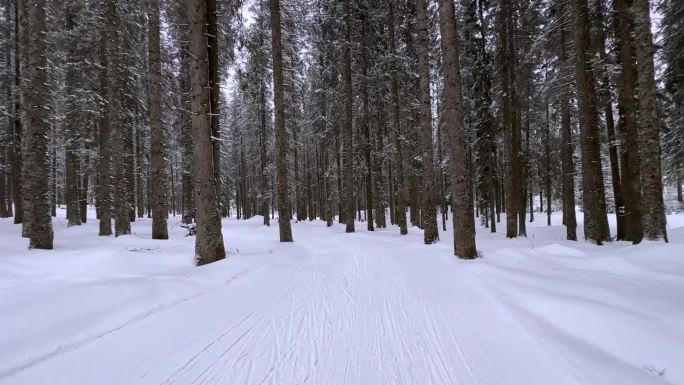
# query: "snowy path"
[[367, 308]]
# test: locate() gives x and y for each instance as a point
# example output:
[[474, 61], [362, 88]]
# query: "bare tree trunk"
[[159, 199], [263, 157], [121, 142], [366, 123], [83, 191], [509, 117], [139, 167], [209, 240], [187, 177], [38, 109], [214, 90], [7, 135], [593, 191], [649, 133], [567, 160], [73, 121], [380, 215], [431, 232], [284, 225], [400, 210], [348, 150], [104, 201], [23, 42], [628, 124], [464, 222], [547, 173], [20, 35], [606, 100]]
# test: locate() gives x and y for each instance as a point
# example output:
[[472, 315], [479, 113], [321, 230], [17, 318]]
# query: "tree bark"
[[649, 133], [348, 150], [512, 175], [464, 223], [628, 125], [366, 123], [209, 245], [400, 211], [430, 230], [159, 199], [187, 177], [20, 34], [593, 191], [23, 47], [104, 201], [73, 117], [567, 158], [214, 90], [38, 110], [284, 225], [613, 143]]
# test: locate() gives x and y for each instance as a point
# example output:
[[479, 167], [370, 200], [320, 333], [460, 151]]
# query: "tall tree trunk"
[[209, 240], [400, 211], [431, 232], [187, 177], [23, 47], [348, 150], [547, 172], [104, 201], [38, 110], [567, 158], [5, 146], [20, 41], [263, 157], [73, 120], [606, 100], [366, 122], [649, 133], [121, 142], [593, 191], [628, 125], [464, 223], [83, 191], [214, 90], [284, 225], [139, 171], [159, 199], [509, 116]]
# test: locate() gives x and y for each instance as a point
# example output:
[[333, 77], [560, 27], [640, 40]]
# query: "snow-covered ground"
[[334, 308]]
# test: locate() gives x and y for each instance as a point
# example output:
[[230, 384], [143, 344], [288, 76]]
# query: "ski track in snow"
[[337, 308]]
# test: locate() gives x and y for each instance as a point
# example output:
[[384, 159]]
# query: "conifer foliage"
[[393, 113]]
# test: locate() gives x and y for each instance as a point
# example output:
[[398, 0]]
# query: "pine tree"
[[464, 226], [649, 133], [593, 191], [281, 135], [400, 209], [209, 240], [348, 133], [37, 129], [159, 179], [567, 158], [431, 233]]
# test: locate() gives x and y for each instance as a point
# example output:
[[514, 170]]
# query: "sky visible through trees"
[[383, 112]]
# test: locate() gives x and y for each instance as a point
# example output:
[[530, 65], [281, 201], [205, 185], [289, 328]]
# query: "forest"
[[389, 112], [332, 192]]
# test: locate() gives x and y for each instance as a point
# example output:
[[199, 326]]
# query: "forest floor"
[[335, 308]]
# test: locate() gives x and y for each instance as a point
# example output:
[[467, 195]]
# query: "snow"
[[336, 308]]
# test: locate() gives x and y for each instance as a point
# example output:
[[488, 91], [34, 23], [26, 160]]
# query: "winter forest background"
[[492, 123]]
